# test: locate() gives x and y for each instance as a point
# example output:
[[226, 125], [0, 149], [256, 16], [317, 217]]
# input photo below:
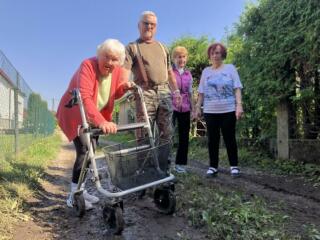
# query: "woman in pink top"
[[181, 112], [100, 82]]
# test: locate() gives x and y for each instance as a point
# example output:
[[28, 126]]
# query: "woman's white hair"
[[114, 46], [146, 13]]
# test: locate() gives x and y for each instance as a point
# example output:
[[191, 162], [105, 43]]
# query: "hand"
[[193, 115], [196, 113], [177, 98], [239, 111], [128, 86], [108, 127]]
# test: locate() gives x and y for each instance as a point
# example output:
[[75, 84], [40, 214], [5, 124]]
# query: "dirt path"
[[53, 220]]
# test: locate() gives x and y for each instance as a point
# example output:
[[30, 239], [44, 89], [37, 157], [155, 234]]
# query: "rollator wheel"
[[113, 215], [79, 205], [165, 200]]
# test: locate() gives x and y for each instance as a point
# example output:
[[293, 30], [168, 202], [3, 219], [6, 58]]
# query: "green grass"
[[20, 178], [230, 215], [198, 149], [277, 166], [24, 140]]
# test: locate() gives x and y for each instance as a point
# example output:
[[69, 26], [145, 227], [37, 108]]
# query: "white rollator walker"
[[132, 166]]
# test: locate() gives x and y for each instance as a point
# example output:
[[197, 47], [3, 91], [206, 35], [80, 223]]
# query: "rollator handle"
[[120, 128], [74, 99], [96, 132], [131, 126]]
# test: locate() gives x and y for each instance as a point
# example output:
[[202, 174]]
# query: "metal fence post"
[[16, 116]]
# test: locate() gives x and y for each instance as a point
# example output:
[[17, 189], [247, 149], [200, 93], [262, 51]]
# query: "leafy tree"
[[197, 49], [279, 61]]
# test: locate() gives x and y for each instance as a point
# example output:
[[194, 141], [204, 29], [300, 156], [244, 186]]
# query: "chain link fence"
[[24, 116]]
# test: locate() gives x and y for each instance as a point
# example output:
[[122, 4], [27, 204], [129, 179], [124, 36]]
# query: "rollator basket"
[[132, 163]]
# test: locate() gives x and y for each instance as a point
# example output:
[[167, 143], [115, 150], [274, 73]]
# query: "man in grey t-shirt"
[[154, 74]]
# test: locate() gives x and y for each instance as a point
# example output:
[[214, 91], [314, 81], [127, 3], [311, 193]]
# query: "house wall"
[[7, 105]]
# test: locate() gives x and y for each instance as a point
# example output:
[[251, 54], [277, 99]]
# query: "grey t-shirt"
[[156, 61], [218, 87]]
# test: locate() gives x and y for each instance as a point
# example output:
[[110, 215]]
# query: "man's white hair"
[[114, 46], [146, 13]]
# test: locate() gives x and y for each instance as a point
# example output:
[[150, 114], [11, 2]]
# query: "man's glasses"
[[146, 24]]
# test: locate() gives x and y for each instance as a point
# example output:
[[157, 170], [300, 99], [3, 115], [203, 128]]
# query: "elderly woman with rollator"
[[100, 82]]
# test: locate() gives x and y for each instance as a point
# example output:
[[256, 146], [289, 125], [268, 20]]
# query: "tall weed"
[[20, 177]]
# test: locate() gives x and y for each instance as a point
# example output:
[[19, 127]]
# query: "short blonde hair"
[[114, 46], [179, 50]]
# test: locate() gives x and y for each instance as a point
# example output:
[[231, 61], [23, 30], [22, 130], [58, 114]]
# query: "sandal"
[[212, 172], [235, 171]]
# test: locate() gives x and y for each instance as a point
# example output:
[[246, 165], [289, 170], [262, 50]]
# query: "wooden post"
[[283, 130]]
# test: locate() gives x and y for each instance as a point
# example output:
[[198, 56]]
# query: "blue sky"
[[47, 40]]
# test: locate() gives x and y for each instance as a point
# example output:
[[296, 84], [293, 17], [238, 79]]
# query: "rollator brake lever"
[[74, 99]]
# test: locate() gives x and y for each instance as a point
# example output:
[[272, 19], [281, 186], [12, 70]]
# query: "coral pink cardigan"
[[86, 78]]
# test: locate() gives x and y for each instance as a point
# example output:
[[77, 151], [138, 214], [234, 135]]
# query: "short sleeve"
[[200, 88], [235, 76], [128, 62], [169, 65]]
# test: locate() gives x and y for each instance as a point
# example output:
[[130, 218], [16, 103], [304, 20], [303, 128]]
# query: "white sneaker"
[[90, 198], [88, 205], [70, 202], [180, 169], [73, 188]]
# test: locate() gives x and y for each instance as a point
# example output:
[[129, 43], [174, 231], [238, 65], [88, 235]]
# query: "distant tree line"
[[38, 119]]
